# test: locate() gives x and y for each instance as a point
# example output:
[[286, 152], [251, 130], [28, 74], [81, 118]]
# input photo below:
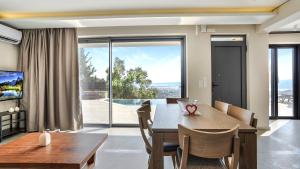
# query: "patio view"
[[284, 87], [285, 82], [139, 71]]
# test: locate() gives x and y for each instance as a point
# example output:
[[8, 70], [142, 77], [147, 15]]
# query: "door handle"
[[215, 84]]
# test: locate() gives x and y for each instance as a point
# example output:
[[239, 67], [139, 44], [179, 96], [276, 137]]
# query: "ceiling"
[[138, 21], [88, 5], [102, 13], [293, 26]]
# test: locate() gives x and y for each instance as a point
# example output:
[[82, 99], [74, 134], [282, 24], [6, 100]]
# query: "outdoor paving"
[[285, 109], [97, 112]]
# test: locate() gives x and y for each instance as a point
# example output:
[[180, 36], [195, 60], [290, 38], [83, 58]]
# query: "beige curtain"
[[49, 59]]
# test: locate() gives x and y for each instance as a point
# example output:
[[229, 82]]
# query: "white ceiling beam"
[[286, 14]]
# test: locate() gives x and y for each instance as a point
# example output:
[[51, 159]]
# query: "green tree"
[[86, 68], [131, 84], [88, 79]]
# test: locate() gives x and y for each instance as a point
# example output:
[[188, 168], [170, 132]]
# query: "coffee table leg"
[[0, 129], [91, 162], [157, 161]]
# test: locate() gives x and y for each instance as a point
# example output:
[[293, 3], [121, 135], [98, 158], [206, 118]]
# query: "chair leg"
[[174, 161], [177, 161], [227, 163], [149, 162]]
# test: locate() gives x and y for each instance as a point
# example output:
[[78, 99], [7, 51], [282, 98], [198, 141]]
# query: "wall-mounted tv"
[[11, 85]]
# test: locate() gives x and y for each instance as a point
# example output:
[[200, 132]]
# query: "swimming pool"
[[136, 101]]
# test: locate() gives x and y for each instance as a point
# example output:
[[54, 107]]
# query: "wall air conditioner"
[[10, 35]]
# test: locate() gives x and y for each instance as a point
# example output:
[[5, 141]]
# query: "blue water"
[[8, 93], [167, 84], [285, 85], [137, 101]]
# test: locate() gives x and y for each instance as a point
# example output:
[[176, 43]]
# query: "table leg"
[[91, 162], [248, 158], [0, 129], [157, 161]]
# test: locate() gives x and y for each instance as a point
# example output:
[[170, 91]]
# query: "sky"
[[285, 68], [163, 63], [9, 76], [285, 63]]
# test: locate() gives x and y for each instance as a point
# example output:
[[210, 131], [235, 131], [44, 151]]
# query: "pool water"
[[137, 101]]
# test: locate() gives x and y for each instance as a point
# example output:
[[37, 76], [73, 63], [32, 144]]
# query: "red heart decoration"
[[191, 108]]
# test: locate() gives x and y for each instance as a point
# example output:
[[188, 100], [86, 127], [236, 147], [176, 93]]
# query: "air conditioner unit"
[[10, 35]]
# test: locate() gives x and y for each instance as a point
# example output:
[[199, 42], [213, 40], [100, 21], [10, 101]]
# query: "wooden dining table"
[[165, 129]]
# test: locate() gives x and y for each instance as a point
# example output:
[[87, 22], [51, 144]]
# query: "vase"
[[45, 139]]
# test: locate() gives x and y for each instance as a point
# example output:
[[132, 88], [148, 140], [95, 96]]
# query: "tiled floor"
[[124, 149], [278, 148]]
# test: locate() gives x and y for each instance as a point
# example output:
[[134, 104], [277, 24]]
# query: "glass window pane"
[[94, 86], [141, 71], [285, 81]]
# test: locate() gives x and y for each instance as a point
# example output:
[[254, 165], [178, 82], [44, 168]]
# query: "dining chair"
[[254, 122], [207, 150], [241, 114], [170, 149], [148, 103], [221, 106], [170, 100]]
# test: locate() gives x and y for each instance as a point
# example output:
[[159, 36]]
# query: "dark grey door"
[[229, 72]]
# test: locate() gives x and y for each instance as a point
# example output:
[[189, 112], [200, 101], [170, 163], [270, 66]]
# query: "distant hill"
[[12, 82]]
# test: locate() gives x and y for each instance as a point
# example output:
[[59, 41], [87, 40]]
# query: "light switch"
[[203, 83]]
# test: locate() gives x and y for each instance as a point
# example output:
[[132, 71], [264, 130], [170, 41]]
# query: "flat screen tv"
[[11, 85]]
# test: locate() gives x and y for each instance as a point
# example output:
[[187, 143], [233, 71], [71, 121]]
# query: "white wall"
[[198, 53], [290, 38], [8, 61]]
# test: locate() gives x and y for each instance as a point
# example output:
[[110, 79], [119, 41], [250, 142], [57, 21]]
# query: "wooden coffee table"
[[66, 151]]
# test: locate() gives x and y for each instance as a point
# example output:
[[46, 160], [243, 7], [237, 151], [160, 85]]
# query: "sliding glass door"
[[130, 70], [285, 94], [282, 81], [142, 70], [94, 83]]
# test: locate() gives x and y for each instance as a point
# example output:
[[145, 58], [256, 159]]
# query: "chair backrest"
[[254, 122], [222, 106], [174, 100], [147, 103], [241, 114], [208, 144], [143, 117]]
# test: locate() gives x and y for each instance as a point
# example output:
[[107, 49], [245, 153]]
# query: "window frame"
[[274, 80], [111, 40]]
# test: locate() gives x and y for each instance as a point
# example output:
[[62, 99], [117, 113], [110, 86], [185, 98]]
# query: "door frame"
[[111, 40], [241, 44], [274, 80]]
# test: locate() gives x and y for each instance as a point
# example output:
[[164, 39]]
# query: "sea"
[[166, 84]]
